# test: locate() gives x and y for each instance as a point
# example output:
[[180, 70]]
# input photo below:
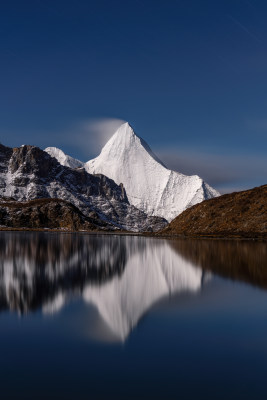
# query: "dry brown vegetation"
[[240, 214]]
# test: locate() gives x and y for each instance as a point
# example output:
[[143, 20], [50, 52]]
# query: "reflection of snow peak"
[[152, 273], [55, 305], [122, 276]]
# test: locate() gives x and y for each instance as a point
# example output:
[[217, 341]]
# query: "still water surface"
[[123, 317]]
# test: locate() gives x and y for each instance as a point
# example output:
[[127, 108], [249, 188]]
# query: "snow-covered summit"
[[150, 186], [124, 141], [63, 158]]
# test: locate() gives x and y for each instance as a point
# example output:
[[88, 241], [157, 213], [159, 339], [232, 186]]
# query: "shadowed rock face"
[[28, 173], [5, 155], [241, 214], [46, 213]]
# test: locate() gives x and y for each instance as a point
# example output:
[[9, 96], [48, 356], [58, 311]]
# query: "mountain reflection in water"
[[122, 276]]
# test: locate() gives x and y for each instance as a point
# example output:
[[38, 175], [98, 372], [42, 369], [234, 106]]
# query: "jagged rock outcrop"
[[28, 173], [240, 214]]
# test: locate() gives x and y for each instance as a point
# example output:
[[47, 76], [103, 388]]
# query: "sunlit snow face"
[[150, 186]]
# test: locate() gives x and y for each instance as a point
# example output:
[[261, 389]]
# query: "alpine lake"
[[129, 317]]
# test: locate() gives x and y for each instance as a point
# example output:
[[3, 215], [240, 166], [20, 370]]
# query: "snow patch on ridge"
[[63, 158]]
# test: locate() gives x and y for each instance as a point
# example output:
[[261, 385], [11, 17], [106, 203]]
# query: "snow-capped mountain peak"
[[63, 158], [150, 186], [125, 140]]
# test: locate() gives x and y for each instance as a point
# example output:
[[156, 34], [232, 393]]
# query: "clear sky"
[[189, 76]]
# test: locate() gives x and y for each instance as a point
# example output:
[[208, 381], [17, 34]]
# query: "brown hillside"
[[43, 213], [240, 214]]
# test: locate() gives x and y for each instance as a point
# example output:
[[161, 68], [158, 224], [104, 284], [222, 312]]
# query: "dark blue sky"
[[189, 76]]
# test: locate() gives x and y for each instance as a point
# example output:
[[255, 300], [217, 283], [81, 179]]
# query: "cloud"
[[225, 172], [99, 131], [89, 136], [82, 139]]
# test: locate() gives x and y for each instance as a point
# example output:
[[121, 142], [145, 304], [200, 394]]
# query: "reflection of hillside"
[[239, 260], [35, 268]]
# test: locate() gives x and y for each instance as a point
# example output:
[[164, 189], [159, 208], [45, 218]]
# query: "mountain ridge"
[[28, 173], [63, 158]]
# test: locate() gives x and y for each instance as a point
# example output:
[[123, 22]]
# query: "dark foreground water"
[[114, 317]]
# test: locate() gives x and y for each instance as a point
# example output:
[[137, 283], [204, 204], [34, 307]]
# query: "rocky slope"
[[46, 213], [241, 214], [150, 186], [28, 173]]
